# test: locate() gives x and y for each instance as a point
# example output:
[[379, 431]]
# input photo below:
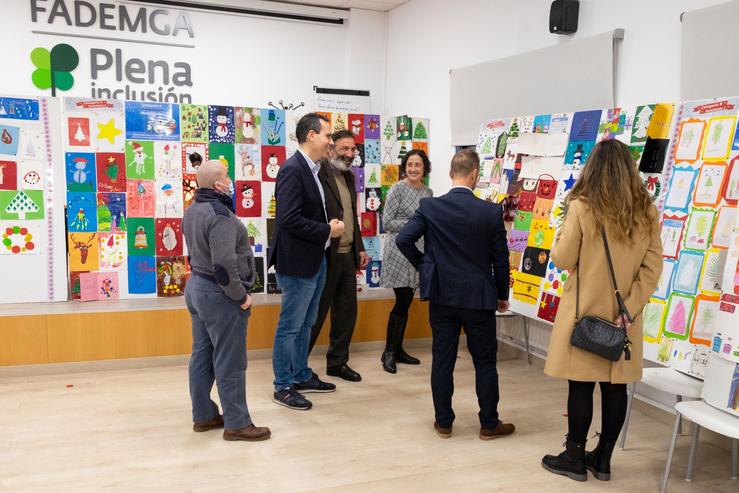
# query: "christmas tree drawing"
[[403, 150], [487, 147], [272, 207], [641, 123], [513, 131], [373, 176], [678, 319], [79, 135], [419, 133], [21, 205], [104, 217], [705, 319], [389, 130]]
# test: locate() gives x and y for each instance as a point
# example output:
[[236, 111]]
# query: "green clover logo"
[[54, 68]]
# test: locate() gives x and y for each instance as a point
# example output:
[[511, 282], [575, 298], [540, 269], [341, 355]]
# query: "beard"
[[341, 164]]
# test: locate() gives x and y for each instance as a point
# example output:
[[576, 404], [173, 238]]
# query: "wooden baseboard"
[[61, 338]]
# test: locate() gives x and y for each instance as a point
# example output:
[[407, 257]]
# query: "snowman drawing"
[[139, 159], [247, 197], [221, 120], [272, 166], [375, 275], [357, 163], [247, 126], [373, 202], [80, 174]]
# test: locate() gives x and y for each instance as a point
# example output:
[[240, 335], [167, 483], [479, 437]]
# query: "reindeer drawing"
[[83, 246]]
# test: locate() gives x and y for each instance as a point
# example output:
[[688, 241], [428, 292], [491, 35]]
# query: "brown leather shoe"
[[502, 429], [211, 424], [441, 431], [250, 433]]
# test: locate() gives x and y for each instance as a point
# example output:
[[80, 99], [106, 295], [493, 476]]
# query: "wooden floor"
[[90, 429]]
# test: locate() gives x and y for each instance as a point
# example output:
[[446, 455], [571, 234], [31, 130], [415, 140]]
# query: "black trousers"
[[479, 326], [340, 296], [580, 409]]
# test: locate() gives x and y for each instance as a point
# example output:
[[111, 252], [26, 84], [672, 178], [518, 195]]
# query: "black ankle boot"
[[402, 356], [570, 463], [599, 460], [390, 355]]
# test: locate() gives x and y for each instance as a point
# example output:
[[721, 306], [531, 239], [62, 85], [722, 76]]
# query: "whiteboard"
[[513, 86], [344, 100]]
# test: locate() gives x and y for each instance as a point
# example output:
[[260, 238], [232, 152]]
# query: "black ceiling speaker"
[[563, 16]]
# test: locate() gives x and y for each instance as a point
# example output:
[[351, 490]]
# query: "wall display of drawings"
[[130, 175], [687, 165], [28, 225], [697, 227]]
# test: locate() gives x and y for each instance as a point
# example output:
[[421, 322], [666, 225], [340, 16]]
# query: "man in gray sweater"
[[219, 302]]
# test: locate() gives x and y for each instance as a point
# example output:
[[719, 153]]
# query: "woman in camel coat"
[[608, 193]]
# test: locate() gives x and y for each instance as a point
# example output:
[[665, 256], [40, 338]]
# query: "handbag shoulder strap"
[[621, 305], [622, 310]]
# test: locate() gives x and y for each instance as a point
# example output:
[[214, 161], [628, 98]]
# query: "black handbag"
[[598, 336]]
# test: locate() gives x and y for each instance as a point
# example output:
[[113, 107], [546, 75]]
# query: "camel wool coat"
[[638, 265]]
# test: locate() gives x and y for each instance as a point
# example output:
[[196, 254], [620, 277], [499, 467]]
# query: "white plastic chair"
[[703, 416], [667, 380]]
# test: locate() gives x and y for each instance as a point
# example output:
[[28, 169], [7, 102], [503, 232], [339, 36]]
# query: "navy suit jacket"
[[465, 261], [301, 227]]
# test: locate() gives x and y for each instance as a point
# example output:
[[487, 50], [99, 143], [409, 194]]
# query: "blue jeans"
[[300, 297], [218, 353]]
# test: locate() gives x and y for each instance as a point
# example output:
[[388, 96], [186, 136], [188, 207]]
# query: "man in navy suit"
[[464, 273], [301, 237]]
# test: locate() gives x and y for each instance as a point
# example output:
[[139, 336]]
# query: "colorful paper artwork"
[[221, 124], [168, 160], [554, 279], [171, 276], [703, 320], [272, 159], [248, 159], [80, 170], [9, 139], [169, 198], [141, 198], [8, 175], [84, 251], [672, 234], [193, 155], [731, 184], [113, 251], [721, 235], [110, 171], [654, 315], [518, 240], [713, 271], [719, 138], [390, 174], [20, 238], [535, 261], [194, 122], [681, 189], [679, 311], [548, 307], [687, 272], [273, 127], [542, 234], [710, 184], [169, 240], [81, 212], [140, 160], [664, 288], [152, 121], [700, 225], [96, 286], [374, 271], [19, 108], [140, 237], [248, 198], [371, 127], [526, 288], [247, 125], [111, 211], [256, 229], [78, 132], [142, 276], [689, 140], [372, 153]]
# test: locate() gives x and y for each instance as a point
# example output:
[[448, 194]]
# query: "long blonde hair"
[[610, 185]]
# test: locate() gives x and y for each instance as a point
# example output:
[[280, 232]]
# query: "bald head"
[[211, 172]]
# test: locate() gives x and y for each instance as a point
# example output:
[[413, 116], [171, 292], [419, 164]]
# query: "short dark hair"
[[342, 134], [311, 121], [464, 162], [424, 158]]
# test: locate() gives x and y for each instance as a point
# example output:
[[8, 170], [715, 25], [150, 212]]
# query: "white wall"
[[237, 60], [427, 38]]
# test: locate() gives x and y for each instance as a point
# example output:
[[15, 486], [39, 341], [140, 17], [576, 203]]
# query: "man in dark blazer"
[[346, 255], [464, 274], [302, 235]]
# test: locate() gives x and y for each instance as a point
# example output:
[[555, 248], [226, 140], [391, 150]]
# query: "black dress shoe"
[[343, 371], [314, 385]]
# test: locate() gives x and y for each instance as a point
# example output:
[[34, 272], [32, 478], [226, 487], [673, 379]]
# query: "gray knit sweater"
[[218, 244]]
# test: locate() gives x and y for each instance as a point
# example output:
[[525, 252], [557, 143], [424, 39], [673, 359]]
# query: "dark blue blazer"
[[465, 264], [301, 228]]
